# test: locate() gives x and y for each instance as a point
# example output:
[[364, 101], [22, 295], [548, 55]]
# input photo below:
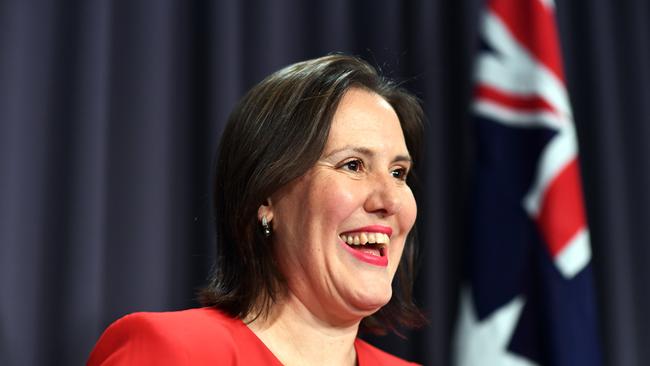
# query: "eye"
[[400, 173], [354, 165]]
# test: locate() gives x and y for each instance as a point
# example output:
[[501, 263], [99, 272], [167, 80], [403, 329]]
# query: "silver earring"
[[266, 228]]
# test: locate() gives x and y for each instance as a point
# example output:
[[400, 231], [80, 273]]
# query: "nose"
[[383, 197]]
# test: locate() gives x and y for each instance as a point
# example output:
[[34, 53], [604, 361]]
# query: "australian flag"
[[529, 297]]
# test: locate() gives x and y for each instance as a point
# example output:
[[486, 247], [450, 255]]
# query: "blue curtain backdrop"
[[110, 112]]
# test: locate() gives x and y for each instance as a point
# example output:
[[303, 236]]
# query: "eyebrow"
[[368, 152]]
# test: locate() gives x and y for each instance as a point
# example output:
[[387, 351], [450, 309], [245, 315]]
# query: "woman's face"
[[356, 192]]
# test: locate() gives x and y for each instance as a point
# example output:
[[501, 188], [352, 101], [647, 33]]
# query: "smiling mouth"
[[368, 243]]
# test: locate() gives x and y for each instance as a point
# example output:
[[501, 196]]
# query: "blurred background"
[[110, 113]]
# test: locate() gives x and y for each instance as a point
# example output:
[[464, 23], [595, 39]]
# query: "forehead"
[[365, 118]]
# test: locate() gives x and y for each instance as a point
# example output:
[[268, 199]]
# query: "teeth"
[[366, 238], [363, 238]]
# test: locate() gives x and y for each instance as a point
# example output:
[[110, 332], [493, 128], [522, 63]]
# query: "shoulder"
[[368, 354], [180, 337]]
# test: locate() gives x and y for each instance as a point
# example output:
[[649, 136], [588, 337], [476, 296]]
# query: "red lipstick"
[[381, 261], [373, 229], [368, 254]]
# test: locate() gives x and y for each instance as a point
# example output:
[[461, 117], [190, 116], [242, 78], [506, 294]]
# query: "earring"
[[266, 228]]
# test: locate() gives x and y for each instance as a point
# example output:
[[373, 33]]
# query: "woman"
[[314, 215]]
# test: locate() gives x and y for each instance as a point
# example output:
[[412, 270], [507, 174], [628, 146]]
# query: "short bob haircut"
[[274, 135]]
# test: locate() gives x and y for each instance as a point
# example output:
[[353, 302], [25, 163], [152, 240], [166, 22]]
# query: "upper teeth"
[[365, 238]]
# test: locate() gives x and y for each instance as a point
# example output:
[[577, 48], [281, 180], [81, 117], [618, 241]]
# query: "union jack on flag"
[[529, 298]]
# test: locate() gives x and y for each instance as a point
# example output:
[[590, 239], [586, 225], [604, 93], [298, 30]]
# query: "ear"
[[265, 209]]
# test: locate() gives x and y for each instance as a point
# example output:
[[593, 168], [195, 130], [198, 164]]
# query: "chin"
[[368, 302]]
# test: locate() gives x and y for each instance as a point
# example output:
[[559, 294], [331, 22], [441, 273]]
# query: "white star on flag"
[[485, 343]]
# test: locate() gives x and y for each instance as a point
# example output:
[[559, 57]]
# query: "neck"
[[297, 337]]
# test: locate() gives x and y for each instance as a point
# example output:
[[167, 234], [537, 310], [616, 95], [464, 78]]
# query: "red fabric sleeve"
[[155, 339]]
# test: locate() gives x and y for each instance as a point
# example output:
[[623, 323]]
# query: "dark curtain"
[[110, 112]]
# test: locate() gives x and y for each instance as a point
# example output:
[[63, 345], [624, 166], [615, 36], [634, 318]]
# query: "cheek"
[[406, 220], [408, 212], [336, 200]]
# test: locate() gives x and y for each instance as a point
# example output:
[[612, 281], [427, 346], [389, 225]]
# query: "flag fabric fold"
[[529, 297]]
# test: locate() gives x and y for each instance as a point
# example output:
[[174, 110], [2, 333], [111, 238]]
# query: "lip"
[[373, 229], [380, 261]]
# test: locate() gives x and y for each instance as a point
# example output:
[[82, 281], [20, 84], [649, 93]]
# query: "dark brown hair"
[[274, 135]]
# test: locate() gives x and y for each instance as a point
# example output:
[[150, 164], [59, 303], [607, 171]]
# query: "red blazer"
[[204, 336]]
